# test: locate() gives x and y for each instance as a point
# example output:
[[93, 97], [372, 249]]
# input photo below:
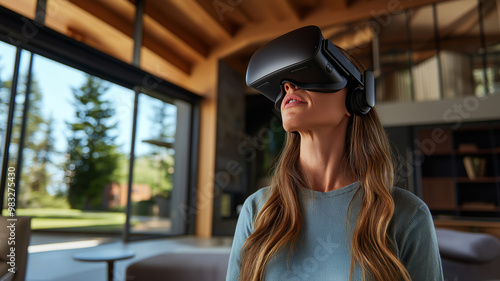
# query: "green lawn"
[[70, 219]]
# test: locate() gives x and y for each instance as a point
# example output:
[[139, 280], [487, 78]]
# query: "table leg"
[[110, 270]]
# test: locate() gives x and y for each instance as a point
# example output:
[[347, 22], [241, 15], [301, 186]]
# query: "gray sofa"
[[469, 256], [465, 256], [180, 267]]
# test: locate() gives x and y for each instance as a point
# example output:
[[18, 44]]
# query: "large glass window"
[[491, 26], [76, 149], [74, 173], [425, 72], [153, 166], [160, 167], [460, 43], [7, 58], [394, 83]]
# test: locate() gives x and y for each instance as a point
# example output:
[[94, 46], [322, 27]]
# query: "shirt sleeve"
[[419, 250], [244, 228]]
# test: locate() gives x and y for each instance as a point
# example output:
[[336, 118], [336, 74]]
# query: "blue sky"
[[56, 81]]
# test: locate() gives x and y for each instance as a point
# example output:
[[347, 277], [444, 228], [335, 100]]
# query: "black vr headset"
[[304, 58]]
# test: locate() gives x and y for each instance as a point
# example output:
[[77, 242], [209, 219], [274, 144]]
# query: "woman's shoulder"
[[408, 207], [406, 201], [406, 198], [255, 201]]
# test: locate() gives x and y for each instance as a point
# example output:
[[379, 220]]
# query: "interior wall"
[[454, 111], [230, 179]]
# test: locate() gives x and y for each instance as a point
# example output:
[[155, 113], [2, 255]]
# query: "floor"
[[45, 263]]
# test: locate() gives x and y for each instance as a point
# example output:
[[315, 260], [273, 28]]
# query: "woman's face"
[[303, 110]]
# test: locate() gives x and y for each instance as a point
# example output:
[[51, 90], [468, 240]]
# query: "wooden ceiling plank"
[[259, 33], [323, 18], [335, 5], [166, 52], [181, 54], [77, 23], [364, 10], [107, 15], [204, 20], [330, 32], [468, 18], [238, 17], [163, 15], [256, 10], [180, 47], [156, 65], [282, 10], [303, 8]]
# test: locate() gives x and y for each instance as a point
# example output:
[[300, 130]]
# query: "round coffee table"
[[107, 255]]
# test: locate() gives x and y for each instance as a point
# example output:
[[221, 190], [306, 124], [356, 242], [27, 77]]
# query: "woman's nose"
[[289, 87]]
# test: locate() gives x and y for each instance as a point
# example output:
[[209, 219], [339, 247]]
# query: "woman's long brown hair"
[[279, 222]]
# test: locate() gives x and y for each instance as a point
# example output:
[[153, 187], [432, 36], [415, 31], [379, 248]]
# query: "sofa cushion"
[[180, 267], [467, 247]]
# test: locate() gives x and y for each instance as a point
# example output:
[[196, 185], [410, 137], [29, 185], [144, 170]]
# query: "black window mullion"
[[10, 122]]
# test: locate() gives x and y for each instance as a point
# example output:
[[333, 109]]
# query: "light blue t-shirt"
[[323, 249]]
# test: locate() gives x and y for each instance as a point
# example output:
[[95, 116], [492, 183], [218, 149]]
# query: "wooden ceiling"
[[179, 35]]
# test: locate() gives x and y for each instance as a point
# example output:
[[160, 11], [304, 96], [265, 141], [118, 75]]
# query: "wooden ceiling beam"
[[304, 8], [357, 11], [167, 52], [335, 5], [188, 20], [352, 40], [211, 26], [157, 14], [257, 10], [220, 11], [467, 19], [282, 10], [158, 35], [330, 32], [122, 23]]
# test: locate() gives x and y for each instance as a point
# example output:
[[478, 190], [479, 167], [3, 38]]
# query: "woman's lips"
[[292, 100]]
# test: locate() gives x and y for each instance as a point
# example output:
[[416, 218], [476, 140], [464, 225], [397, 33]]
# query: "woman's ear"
[[347, 112]]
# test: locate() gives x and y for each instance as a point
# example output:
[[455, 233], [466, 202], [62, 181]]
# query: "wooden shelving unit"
[[459, 177]]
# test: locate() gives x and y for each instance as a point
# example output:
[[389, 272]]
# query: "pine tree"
[[92, 154], [4, 109], [35, 136], [38, 142]]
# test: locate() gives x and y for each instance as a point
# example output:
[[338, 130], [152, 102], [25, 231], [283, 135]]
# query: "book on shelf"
[[467, 147], [475, 167]]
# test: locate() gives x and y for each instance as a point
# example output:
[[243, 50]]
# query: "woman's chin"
[[291, 127]]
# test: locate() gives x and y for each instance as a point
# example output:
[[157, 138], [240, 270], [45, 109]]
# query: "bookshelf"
[[459, 176]]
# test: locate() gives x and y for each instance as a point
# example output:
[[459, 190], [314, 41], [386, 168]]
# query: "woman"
[[331, 211]]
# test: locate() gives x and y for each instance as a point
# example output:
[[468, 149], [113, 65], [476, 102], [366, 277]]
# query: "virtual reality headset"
[[304, 58]]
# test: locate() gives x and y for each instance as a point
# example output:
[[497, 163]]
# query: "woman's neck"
[[321, 155]]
